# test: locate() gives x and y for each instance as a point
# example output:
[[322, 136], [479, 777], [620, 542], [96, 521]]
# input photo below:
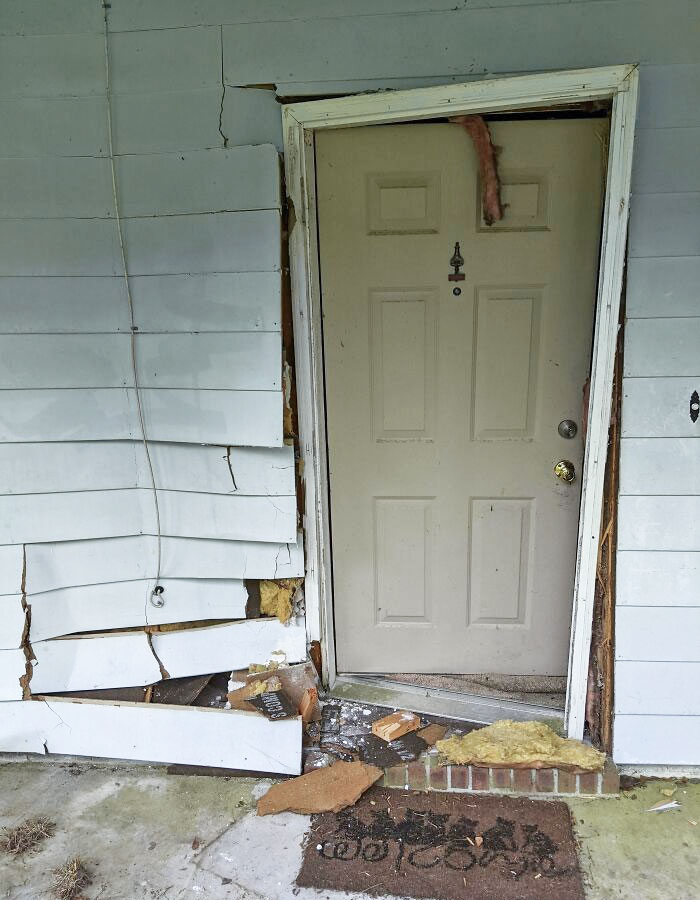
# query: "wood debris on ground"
[[328, 789], [431, 734], [396, 725]]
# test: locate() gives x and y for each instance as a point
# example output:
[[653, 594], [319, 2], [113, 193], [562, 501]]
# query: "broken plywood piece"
[[276, 597], [188, 735], [431, 734], [92, 663], [221, 648], [296, 681], [396, 725], [527, 745], [327, 789]]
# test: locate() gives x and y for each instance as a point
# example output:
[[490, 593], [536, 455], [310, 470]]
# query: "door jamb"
[[300, 121]]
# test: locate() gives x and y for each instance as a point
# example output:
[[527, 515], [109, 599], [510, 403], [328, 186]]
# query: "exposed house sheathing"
[[198, 178]]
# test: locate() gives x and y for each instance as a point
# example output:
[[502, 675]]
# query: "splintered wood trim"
[[189, 735], [300, 120]]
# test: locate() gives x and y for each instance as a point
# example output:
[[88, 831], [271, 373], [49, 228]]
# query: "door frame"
[[300, 122]]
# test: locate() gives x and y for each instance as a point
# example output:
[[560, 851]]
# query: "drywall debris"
[[664, 806], [394, 726], [322, 790], [531, 745], [431, 734], [276, 597], [478, 131]]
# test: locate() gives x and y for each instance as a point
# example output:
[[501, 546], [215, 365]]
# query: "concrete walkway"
[[146, 834]]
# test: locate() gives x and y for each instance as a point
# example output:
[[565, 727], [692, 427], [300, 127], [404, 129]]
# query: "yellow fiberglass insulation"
[[520, 745], [276, 597]]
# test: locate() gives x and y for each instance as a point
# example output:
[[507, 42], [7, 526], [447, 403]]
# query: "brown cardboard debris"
[[431, 734], [276, 597], [308, 704], [478, 131], [520, 745], [394, 726], [322, 790]]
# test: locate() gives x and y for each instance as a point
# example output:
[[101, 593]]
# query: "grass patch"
[[70, 879], [26, 836]]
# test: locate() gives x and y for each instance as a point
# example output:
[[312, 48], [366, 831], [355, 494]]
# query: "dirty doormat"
[[445, 846]]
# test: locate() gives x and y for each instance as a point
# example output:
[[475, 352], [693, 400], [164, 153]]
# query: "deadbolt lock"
[[565, 470], [567, 428]]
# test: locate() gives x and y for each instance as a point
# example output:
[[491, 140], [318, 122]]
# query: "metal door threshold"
[[448, 704]]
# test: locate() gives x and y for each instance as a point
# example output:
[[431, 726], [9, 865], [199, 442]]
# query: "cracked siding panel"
[[68, 65], [12, 622], [94, 562], [70, 516], [142, 731], [167, 121], [124, 604], [108, 465], [11, 568], [12, 668], [93, 663], [240, 178], [229, 418], [237, 645], [251, 116], [69, 126]]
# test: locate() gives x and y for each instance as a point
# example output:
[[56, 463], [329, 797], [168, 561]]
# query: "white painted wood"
[[243, 418], [658, 347], [251, 116], [666, 160], [25, 518], [215, 301], [30, 361], [164, 121], [665, 225], [58, 247], [222, 242], [150, 731], [12, 621], [109, 465], [68, 563], [658, 407], [248, 361], [577, 34], [648, 739], [57, 17], [54, 304], [69, 126], [655, 578], [220, 648], [668, 96], [12, 668], [660, 466], [221, 517], [33, 518], [45, 187], [659, 523], [93, 663], [65, 65], [663, 287], [647, 633], [657, 688], [11, 569], [199, 181], [165, 60], [125, 604]]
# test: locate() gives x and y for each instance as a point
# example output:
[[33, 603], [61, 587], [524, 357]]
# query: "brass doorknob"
[[565, 470]]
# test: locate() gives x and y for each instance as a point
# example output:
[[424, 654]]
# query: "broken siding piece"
[[11, 569], [94, 562], [12, 668], [93, 662], [222, 648], [12, 621], [156, 733], [125, 604]]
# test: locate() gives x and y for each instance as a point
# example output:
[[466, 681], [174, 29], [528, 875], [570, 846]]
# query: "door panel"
[[453, 542]]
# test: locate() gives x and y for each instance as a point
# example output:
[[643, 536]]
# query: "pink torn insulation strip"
[[478, 131]]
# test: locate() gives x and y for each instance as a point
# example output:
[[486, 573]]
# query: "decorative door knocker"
[[456, 261]]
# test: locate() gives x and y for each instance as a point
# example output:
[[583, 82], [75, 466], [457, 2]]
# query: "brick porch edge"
[[428, 774]]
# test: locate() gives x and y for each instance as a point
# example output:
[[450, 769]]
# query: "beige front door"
[[453, 542]]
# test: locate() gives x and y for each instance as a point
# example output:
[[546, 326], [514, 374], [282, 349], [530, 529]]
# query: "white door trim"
[[300, 121]]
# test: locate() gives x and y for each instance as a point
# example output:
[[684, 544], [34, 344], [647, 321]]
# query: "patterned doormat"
[[445, 846]]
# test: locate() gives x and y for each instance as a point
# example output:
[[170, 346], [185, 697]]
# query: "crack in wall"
[[163, 671], [26, 646], [223, 89], [230, 468]]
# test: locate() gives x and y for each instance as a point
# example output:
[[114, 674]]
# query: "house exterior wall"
[[196, 128]]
